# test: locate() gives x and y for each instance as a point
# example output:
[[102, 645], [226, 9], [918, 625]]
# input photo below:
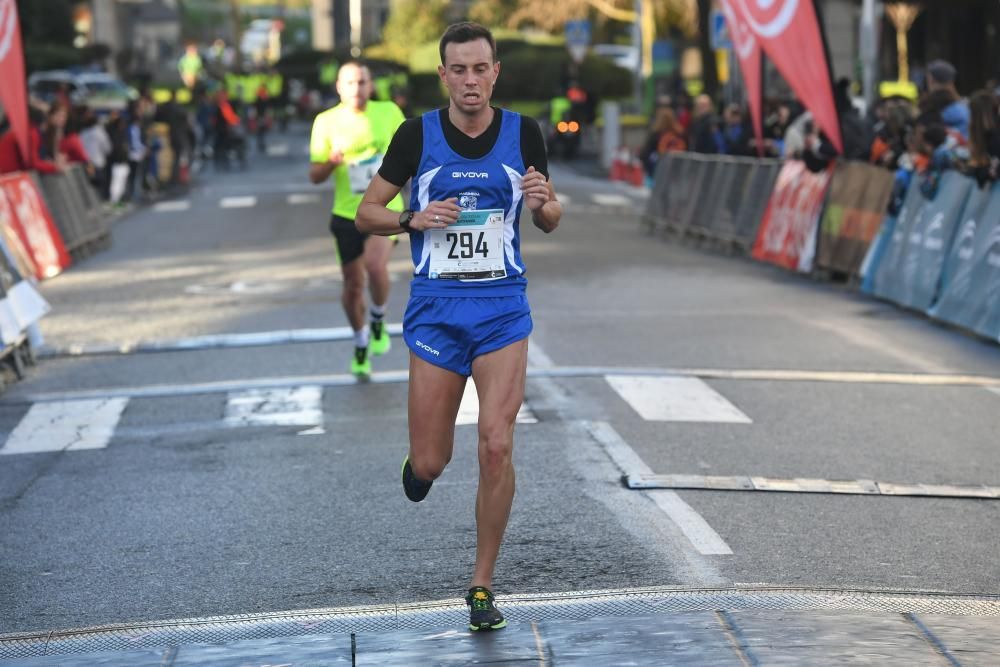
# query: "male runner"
[[349, 141], [473, 166]]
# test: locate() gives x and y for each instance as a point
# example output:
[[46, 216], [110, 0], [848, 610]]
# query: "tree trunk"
[[709, 75]]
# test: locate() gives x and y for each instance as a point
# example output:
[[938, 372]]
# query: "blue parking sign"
[[577, 38]]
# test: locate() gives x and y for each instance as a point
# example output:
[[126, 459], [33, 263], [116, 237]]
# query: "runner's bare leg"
[[434, 398], [353, 294], [499, 378], [376, 258]]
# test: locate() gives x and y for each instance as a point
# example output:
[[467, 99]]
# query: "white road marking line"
[[854, 487], [676, 399], [238, 202], [292, 406], [995, 390], [693, 525], [277, 150], [254, 339], [66, 425], [564, 199], [468, 411], [605, 199], [172, 206], [297, 198], [13, 396], [537, 356]]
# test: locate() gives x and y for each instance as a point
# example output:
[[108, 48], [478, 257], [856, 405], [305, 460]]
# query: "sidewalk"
[[661, 626]]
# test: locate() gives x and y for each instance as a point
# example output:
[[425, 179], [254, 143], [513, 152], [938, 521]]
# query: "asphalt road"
[[188, 506]]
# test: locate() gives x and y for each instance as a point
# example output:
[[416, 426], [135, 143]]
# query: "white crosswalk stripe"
[[66, 425], [294, 406], [303, 198], [172, 206], [605, 199], [468, 411], [238, 202], [676, 399]]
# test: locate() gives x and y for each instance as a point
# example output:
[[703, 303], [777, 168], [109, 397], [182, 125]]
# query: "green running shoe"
[[483, 615], [379, 343], [361, 365], [415, 489]]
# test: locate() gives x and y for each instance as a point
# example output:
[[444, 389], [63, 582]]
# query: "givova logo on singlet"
[[470, 174]]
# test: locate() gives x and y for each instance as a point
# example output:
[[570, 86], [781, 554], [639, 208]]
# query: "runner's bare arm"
[[374, 218], [320, 171], [540, 198]]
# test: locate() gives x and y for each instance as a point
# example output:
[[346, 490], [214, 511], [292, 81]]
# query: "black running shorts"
[[350, 242]]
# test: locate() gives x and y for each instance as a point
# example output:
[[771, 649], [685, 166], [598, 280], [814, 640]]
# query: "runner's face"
[[469, 73], [354, 85]]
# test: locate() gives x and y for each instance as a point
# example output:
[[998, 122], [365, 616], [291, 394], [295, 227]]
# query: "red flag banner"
[[747, 50], [13, 93], [789, 34]]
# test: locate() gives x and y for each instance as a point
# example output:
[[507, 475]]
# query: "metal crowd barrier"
[[713, 197], [77, 211]]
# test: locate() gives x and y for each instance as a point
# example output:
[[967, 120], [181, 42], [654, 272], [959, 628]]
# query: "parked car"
[[98, 90]]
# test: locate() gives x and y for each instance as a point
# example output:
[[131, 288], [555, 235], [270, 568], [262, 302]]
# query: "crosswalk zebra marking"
[[676, 399], [289, 406], [172, 206], [608, 199], [238, 202], [66, 426], [468, 411], [297, 198]]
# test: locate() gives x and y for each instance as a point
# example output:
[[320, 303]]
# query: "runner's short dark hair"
[[354, 62], [467, 31]]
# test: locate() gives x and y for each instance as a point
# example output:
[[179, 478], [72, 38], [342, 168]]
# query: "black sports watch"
[[404, 220]]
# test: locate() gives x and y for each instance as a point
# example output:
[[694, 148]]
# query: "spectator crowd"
[[920, 138]]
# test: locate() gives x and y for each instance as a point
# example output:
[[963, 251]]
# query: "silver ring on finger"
[[437, 218]]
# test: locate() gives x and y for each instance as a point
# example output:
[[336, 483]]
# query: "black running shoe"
[[483, 615], [415, 489]]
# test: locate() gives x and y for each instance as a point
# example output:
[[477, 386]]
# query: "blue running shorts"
[[452, 331]]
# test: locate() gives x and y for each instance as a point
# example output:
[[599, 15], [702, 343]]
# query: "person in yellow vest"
[[349, 142], [190, 66]]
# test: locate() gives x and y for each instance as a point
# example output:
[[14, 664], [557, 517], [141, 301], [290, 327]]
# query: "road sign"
[[720, 31], [578, 39]]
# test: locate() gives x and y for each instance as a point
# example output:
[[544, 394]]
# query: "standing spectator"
[[775, 125], [136, 147], [666, 136], [228, 132], [203, 117], [943, 98], [119, 168], [984, 137], [175, 118], [71, 144], [55, 128], [97, 144], [891, 133], [190, 66], [735, 132], [11, 158], [854, 132], [262, 114], [704, 136]]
